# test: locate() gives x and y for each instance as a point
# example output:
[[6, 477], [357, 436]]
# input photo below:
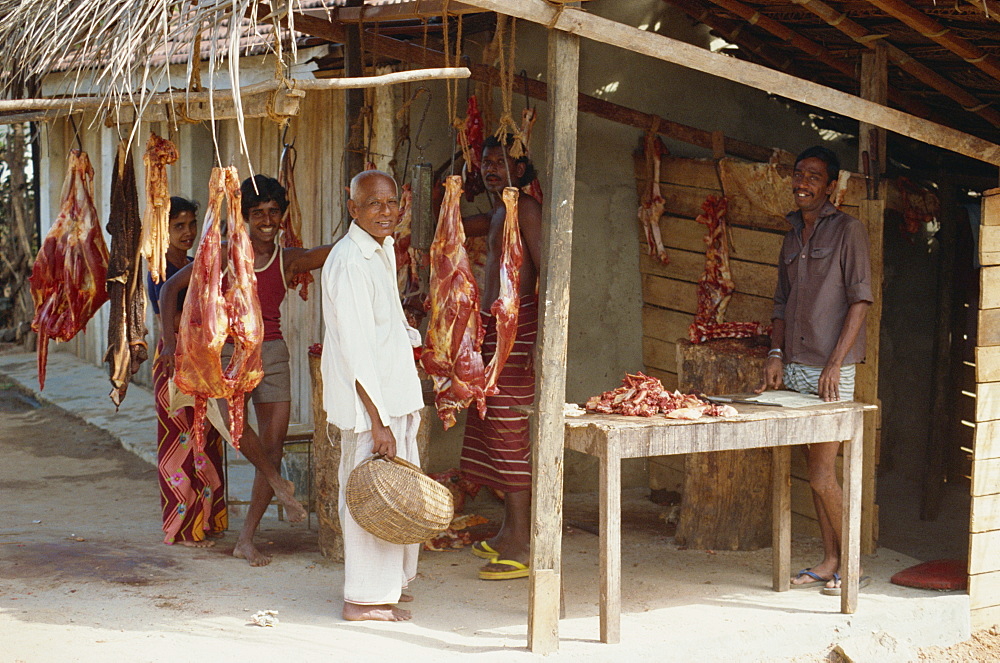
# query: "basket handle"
[[397, 460]]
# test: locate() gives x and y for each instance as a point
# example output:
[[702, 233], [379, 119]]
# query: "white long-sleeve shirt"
[[366, 337]]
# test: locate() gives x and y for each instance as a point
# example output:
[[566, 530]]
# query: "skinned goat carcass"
[[716, 286], [407, 277], [68, 277], [291, 220], [212, 313], [155, 241], [127, 347], [652, 203], [452, 351], [505, 308]]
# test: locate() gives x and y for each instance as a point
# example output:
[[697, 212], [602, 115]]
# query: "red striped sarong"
[[496, 451], [191, 493]]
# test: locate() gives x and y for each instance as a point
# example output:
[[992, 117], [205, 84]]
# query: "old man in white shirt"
[[370, 386]]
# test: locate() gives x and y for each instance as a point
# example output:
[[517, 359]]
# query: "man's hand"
[[829, 383], [384, 442], [773, 369], [167, 359]]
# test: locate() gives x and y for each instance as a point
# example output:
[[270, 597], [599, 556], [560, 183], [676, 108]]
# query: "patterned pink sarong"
[[496, 451]]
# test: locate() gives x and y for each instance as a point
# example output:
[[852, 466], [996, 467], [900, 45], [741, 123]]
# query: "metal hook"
[[288, 148], [524, 80], [420, 127]]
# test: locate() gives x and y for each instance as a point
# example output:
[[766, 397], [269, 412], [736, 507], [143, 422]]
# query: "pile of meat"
[[219, 312], [716, 286], [68, 277], [644, 396]]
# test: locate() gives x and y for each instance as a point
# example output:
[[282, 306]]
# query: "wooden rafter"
[[815, 50], [989, 8], [942, 34], [921, 72], [398, 11]]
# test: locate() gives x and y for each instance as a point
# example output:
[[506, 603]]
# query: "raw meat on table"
[[643, 396], [156, 218], [68, 277], [127, 347], [452, 350], [211, 314], [505, 308]]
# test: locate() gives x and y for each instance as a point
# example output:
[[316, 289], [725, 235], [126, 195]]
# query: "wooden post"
[[872, 147], [354, 158], [547, 477]]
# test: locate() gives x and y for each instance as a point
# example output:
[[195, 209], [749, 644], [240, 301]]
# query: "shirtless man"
[[496, 450], [263, 204]]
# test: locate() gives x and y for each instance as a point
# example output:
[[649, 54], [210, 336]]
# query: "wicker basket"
[[397, 502]]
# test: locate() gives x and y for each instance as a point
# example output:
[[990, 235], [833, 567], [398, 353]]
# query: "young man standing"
[[497, 450], [820, 304], [371, 391]]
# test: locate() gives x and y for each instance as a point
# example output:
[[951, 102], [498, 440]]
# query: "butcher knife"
[[737, 401]]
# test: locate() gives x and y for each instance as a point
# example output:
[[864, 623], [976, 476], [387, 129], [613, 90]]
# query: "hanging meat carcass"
[[291, 221], [528, 117], [716, 286], [68, 277], [156, 218], [407, 277], [212, 315], [452, 351], [652, 203], [505, 308], [471, 140], [127, 347]]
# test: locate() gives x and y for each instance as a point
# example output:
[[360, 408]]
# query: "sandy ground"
[[84, 577]]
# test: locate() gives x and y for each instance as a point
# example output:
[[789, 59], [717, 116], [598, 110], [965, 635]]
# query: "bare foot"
[[195, 544], [378, 613], [404, 598], [285, 492], [248, 551]]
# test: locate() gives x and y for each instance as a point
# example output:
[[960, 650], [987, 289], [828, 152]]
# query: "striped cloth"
[[805, 379], [496, 451], [191, 494]]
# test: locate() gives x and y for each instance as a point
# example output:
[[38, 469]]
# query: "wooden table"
[[611, 438]]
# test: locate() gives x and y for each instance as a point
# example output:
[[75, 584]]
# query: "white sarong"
[[805, 379], [375, 571]]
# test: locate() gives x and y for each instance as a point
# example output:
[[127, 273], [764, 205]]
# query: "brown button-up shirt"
[[818, 282]]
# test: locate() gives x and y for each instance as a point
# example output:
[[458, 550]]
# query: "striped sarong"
[[191, 494], [496, 451], [805, 379]]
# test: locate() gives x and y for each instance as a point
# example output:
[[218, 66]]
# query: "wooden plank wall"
[[984, 523], [670, 291]]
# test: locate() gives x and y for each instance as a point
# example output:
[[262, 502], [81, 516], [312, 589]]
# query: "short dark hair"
[[826, 156], [530, 173], [179, 205], [267, 190]]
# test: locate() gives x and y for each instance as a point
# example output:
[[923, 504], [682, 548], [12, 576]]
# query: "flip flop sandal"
[[518, 570], [483, 550], [863, 581], [816, 580]]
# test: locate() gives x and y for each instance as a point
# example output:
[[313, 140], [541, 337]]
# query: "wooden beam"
[[413, 53], [936, 31], [988, 8], [872, 139], [399, 11], [563, 71], [921, 72], [774, 82], [808, 46]]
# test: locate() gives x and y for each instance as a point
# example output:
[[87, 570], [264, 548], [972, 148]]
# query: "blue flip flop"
[[816, 579], [863, 581]]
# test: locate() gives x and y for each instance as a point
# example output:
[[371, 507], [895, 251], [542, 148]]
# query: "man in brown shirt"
[[820, 303]]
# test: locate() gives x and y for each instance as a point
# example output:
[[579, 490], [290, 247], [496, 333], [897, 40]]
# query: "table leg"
[[781, 517], [851, 524], [611, 545]]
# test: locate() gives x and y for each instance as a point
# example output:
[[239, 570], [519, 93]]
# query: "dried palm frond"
[[122, 50]]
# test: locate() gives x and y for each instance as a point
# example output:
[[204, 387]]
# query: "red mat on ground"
[[938, 574]]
